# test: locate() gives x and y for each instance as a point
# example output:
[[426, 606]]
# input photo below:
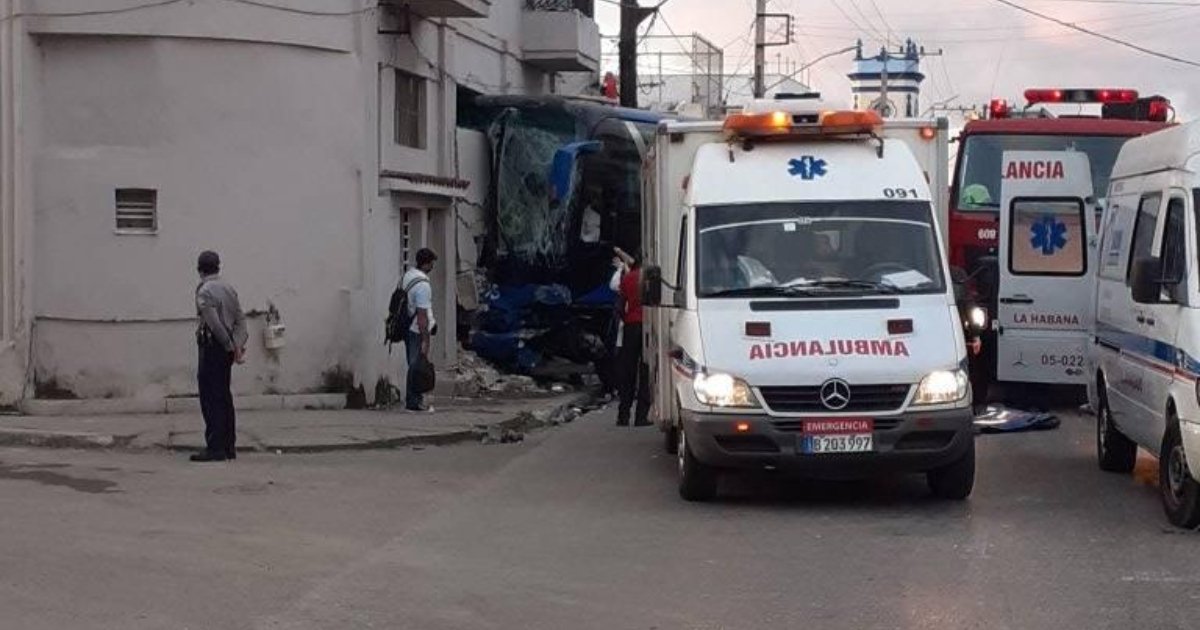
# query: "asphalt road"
[[580, 527]]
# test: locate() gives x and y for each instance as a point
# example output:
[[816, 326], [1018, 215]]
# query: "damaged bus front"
[[565, 190]]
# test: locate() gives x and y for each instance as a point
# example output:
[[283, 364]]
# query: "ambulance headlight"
[[943, 387], [977, 317], [723, 390]]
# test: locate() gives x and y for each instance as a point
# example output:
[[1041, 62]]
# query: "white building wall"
[[254, 151]]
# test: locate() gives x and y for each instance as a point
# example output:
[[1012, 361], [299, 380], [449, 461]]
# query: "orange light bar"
[[780, 124], [743, 427], [849, 122], [768, 124]]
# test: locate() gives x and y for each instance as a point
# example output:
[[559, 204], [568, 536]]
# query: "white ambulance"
[[1046, 285], [1144, 377], [799, 309]]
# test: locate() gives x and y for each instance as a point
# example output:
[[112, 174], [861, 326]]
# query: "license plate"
[[837, 436]]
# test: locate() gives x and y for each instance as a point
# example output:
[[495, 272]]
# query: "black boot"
[[208, 456]]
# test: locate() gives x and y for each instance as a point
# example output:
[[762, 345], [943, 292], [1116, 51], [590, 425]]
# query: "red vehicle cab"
[[975, 189], [1052, 120]]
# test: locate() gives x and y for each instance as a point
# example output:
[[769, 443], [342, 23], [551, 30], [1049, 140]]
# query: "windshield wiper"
[[855, 284], [767, 291]]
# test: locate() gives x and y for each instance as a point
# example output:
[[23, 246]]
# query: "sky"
[[988, 49]]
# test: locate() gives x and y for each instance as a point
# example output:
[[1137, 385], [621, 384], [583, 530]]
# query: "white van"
[[1044, 315], [1145, 360], [800, 314]]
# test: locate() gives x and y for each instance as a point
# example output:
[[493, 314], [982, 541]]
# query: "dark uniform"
[[221, 337]]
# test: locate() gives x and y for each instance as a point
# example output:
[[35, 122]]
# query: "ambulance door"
[[1046, 258]]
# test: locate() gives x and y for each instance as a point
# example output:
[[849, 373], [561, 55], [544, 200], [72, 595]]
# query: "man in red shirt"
[[632, 374]]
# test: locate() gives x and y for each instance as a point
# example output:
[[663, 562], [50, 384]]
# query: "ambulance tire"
[[1180, 492], [697, 481], [671, 440], [955, 480], [1114, 452], [671, 433]]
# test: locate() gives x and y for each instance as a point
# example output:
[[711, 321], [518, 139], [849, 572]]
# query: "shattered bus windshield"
[[867, 246]]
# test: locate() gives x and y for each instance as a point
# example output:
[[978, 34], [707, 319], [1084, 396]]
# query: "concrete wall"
[[264, 132], [254, 151]]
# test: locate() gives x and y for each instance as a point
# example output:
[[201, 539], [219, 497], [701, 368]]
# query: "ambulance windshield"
[[979, 173], [860, 247]]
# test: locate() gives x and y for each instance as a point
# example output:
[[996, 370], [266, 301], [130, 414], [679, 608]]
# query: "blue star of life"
[[808, 167], [1049, 235]]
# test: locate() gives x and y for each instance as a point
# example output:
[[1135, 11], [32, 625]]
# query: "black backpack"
[[398, 320]]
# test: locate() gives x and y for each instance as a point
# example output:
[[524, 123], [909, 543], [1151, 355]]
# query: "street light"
[[811, 64]]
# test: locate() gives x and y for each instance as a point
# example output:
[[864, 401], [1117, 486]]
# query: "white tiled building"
[[311, 142]]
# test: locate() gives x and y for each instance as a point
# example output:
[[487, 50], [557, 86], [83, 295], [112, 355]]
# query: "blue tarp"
[[998, 419]]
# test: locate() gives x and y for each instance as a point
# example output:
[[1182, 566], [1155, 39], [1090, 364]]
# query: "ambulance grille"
[[863, 399]]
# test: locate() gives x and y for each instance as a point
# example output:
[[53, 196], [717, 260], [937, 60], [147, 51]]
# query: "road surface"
[[580, 527]]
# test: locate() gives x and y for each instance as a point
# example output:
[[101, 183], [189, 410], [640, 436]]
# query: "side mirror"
[[1145, 280], [652, 285]]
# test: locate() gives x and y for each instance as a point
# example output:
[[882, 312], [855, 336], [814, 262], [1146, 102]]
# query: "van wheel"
[[671, 435], [671, 440], [1180, 492], [1115, 452], [697, 481], [954, 481]]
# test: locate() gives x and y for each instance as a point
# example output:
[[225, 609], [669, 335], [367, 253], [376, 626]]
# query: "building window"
[[410, 110], [137, 210]]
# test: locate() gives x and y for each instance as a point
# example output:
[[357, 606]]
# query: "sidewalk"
[[455, 420]]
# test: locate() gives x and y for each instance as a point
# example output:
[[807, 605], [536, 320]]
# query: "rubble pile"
[[476, 378]]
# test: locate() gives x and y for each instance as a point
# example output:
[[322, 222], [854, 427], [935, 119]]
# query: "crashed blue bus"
[[565, 190]]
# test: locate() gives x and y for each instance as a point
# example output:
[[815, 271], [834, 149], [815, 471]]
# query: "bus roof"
[[1063, 126]]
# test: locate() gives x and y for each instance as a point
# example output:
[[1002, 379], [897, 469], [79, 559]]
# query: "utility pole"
[[632, 16], [760, 48], [761, 44], [886, 55]]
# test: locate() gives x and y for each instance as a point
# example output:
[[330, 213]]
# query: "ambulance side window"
[[1174, 253], [1143, 231], [681, 274]]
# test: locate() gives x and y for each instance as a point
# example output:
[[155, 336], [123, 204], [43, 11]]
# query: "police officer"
[[221, 337]]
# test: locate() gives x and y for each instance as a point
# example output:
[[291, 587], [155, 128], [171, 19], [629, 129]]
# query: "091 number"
[[900, 193]]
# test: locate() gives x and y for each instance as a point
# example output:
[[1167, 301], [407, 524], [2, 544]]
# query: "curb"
[[502, 431], [522, 423], [60, 439]]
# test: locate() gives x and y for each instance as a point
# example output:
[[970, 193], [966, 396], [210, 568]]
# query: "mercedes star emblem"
[[835, 394]]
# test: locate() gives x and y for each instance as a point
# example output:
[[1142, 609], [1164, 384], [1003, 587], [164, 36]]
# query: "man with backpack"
[[415, 311]]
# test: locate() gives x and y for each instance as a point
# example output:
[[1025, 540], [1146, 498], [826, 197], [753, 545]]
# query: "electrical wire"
[[306, 11], [861, 31], [1161, 3], [163, 3], [891, 33], [1108, 38], [129, 9]]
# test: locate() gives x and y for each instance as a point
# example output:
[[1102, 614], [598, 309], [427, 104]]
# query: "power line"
[[163, 3], [268, 5], [129, 9], [1108, 38], [861, 31], [866, 20], [1161, 3], [883, 19]]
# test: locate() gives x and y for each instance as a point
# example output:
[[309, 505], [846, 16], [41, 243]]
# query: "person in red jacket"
[[633, 377]]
